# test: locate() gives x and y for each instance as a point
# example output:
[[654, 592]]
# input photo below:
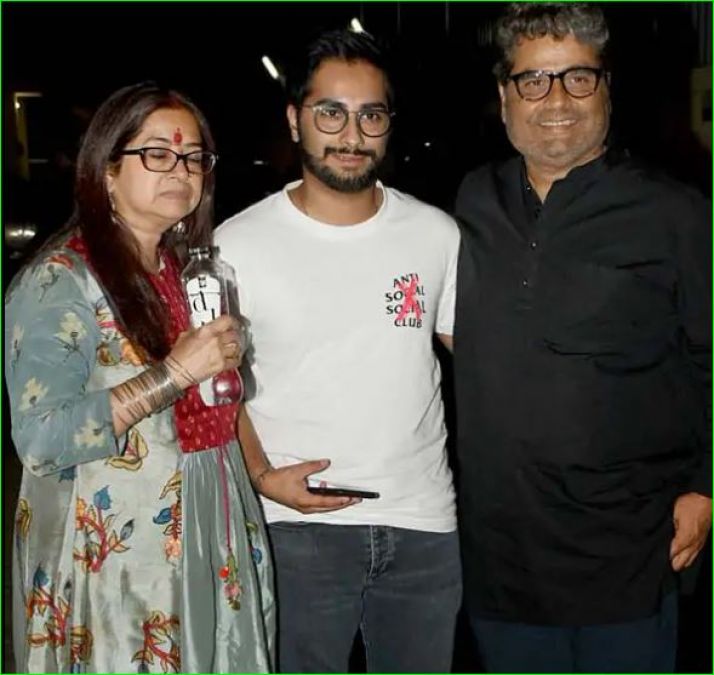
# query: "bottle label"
[[204, 299]]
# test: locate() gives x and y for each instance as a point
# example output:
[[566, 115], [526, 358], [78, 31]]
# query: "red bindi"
[[178, 136]]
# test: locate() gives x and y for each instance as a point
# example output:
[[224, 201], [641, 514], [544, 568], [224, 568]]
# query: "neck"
[[541, 175], [148, 251], [317, 200]]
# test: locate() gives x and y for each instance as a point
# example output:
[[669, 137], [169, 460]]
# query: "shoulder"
[[683, 205], [486, 176], [421, 214], [250, 219], [57, 271]]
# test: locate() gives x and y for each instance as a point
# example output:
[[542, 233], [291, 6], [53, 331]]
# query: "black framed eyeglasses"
[[163, 160], [331, 118], [578, 82]]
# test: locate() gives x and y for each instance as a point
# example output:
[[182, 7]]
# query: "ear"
[[292, 115], [109, 181], [502, 96]]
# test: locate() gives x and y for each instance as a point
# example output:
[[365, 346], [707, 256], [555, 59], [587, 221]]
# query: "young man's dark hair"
[[532, 20], [336, 44]]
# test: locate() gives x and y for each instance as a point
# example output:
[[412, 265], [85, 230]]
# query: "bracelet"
[[182, 370], [260, 476]]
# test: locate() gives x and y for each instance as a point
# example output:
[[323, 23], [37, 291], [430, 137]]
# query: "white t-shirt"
[[342, 319]]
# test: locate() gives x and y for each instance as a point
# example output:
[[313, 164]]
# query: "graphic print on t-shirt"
[[405, 301]]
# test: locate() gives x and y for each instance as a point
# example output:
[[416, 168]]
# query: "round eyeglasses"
[[579, 82], [331, 118], [163, 160]]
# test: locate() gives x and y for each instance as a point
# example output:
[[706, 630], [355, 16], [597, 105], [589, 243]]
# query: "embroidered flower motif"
[[172, 548], [170, 516], [80, 648], [33, 393], [79, 510], [50, 608], [100, 537], [132, 458], [73, 329], [161, 643], [91, 435], [23, 518], [254, 537]]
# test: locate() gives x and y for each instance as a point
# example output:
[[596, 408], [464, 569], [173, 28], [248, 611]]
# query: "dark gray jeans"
[[402, 588]]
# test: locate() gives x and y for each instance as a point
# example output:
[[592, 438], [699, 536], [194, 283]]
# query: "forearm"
[[447, 341], [256, 461], [152, 391]]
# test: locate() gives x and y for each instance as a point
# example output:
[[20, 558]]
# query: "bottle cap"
[[199, 251]]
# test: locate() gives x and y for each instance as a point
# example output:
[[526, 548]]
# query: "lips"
[[176, 194]]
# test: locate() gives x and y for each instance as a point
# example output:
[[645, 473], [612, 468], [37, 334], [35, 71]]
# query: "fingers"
[[321, 504], [685, 558], [684, 549], [304, 469]]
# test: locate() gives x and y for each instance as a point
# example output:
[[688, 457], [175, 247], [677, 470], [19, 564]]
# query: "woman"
[[139, 544]]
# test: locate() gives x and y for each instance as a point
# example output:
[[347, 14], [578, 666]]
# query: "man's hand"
[[288, 486], [692, 519]]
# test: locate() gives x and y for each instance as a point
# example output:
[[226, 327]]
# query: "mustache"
[[349, 151]]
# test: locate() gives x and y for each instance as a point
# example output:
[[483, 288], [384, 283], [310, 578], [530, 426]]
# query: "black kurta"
[[582, 374]]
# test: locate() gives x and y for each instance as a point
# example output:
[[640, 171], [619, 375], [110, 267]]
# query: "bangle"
[[151, 391]]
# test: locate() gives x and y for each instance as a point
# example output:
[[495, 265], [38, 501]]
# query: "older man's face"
[[559, 131]]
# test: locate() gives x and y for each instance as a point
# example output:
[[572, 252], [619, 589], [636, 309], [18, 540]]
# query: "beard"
[[334, 180]]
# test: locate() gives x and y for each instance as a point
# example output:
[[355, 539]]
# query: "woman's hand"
[[203, 352]]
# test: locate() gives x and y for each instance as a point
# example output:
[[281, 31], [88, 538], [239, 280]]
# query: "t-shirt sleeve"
[[447, 301]]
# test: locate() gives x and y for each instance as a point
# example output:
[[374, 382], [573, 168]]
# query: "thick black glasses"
[[331, 118], [199, 162], [579, 82]]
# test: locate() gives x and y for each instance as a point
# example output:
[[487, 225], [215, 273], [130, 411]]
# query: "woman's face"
[[150, 202]]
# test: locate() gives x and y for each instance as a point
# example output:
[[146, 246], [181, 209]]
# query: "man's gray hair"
[[530, 20]]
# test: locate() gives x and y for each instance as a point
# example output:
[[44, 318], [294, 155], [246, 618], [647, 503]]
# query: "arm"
[[51, 344], [447, 341], [286, 485], [692, 514], [51, 340]]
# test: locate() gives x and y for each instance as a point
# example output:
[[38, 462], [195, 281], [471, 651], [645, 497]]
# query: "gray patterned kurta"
[[120, 562]]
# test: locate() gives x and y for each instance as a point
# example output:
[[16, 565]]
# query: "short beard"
[[348, 184]]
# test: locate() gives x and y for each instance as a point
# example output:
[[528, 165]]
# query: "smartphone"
[[337, 491]]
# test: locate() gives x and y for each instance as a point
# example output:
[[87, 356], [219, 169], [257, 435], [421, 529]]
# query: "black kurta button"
[[524, 283], [533, 244]]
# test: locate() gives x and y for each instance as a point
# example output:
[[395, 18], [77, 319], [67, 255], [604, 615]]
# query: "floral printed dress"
[[145, 553]]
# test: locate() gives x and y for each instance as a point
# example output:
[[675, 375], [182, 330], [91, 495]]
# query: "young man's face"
[[347, 160], [559, 131]]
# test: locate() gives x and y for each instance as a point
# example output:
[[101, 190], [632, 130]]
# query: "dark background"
[[75, 54]]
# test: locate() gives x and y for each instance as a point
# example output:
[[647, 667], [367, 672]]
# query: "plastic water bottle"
[[206, 288]]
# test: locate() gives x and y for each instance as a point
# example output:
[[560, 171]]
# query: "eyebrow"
[[161, 139], [365, 106]]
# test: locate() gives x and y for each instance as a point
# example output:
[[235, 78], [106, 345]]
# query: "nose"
[[351, 134], [181, 168], [557, 94]]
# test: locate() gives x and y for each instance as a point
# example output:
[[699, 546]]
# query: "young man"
[[582, 362], [344, 283]]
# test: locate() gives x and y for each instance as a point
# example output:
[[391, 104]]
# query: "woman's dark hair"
[[531, 20], [113, 250], [345, 45]]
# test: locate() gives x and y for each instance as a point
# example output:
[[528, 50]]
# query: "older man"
[[582, 352]]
